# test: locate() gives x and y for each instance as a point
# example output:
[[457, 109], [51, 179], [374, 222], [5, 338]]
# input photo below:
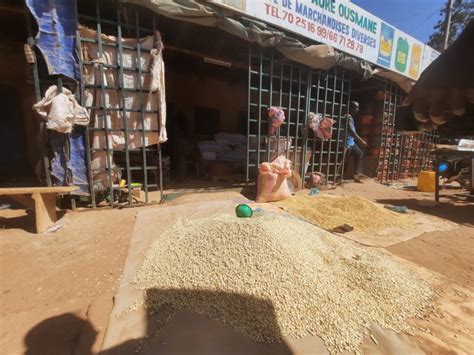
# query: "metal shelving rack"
[[402, 155], [417, 153]]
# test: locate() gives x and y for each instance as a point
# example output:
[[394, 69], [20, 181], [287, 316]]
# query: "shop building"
[[178, 94]]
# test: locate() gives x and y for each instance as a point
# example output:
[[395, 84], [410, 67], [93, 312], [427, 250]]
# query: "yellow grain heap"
[[273, 276], [330, 212]]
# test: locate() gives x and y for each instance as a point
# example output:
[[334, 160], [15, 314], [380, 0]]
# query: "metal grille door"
[[299, 90], [391, 142], [138, 163], [120, 74]]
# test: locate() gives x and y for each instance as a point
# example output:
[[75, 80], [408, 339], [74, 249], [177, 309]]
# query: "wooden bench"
[[42, 200]]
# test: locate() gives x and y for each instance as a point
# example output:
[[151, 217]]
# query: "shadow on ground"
[[174, 332], [61, 335], [459, 211], [25, 221]]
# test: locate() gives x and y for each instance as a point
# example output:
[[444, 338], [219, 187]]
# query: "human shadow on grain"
[[182, 331], [171, 331]]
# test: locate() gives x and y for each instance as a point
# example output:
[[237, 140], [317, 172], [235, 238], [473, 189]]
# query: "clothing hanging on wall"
[[61, 110]]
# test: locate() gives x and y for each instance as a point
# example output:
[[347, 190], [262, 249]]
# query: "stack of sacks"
[[233, 156], [238, 143], [211, 149], [231, 147]]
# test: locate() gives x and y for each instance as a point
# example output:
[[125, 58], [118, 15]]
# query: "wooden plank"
[[45, 211], [32, 190]]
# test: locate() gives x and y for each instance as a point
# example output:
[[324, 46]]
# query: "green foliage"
[[462, 12]]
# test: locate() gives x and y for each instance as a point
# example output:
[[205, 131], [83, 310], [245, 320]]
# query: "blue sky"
[[415, 17]]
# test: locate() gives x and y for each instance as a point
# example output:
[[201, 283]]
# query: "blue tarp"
[[56, 38], [69, 163]]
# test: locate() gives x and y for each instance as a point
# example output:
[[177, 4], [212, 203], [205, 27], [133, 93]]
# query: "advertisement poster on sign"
[[415, 61], [386, 44], [429, 55], [401, 54], [344, 26]]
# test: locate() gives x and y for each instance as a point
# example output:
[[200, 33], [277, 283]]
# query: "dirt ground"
[[51, 283]]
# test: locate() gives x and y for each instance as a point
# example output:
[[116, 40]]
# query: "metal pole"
[[436, 177], [305, 123], [448, 23], [298, 108], [36, 81], [142, 105], [119, 57], [270, 104], [339, 119], [259, 129], [289, 112], [102, 105], [316, 110], [87, 131], [160, 154], [328, 166], [343, 163], [280, 105], [249, 115], [324, 115], [385, 134]]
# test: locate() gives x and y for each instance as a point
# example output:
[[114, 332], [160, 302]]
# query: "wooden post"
[[472, 174], [436, 177], [45, 210]]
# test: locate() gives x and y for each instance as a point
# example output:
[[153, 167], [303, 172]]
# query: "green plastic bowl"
[[243, 211]]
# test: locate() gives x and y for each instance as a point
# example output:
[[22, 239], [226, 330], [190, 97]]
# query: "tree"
[[462, 12]]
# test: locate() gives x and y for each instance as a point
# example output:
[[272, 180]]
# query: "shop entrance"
[[205, 80], [18, 133], [14, 159], [219, 90]]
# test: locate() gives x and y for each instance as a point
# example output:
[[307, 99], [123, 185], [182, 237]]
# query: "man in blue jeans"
[[355, 142]]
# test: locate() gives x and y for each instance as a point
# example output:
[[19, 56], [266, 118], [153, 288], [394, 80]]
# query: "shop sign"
[[429, 55], [345, 26]]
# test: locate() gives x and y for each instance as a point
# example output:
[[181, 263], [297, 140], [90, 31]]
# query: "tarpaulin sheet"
[[69, 163], [319, 56], [56, 38]]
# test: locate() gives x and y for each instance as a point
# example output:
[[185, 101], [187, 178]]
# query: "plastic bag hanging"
[[276, 116], [321, 126]]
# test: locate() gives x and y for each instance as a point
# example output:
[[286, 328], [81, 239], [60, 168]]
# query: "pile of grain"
[[330, 212], [273, 276]]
